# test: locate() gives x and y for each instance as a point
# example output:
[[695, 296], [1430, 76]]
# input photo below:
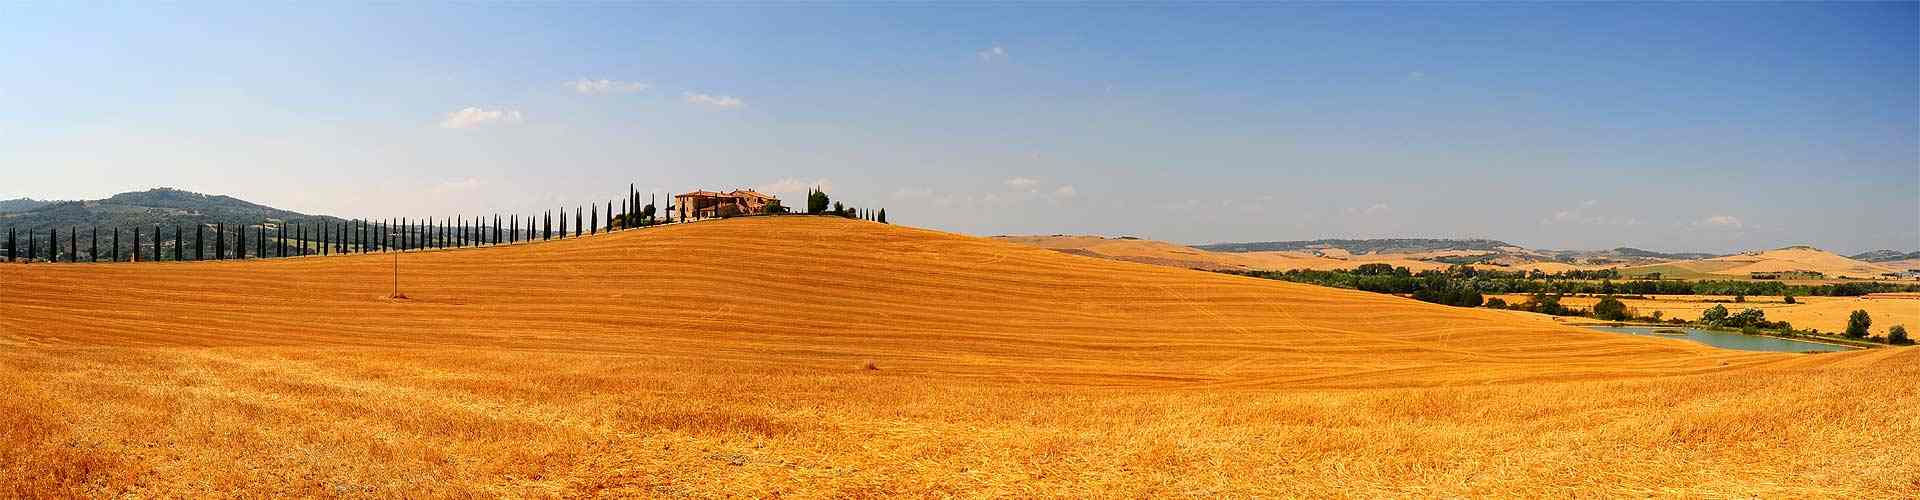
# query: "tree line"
[[279, 239]]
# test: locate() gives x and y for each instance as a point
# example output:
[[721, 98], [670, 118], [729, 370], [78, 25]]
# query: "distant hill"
[[22, 204], [1386, 245], [163, 206], [1886, 256]]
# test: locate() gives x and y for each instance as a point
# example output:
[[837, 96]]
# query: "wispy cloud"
[[1065, 191], [1583, 214], [604, 86], [1021, 183], [994, 53], [795, 189], [474, 117], [715, 101], [1720, 221]]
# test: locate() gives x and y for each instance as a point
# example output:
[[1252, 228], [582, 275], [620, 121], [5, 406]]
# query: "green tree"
[[883, 216], [1715, 315], [1898, 335], [1858, 323], [1740, 299], [773, 207], [1496, 303], [817, 201], [1748, 318], [1789, 299], [1610, 309]]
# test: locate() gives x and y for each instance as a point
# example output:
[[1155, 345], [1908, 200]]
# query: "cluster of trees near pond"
[[1457, 284], [1466, 287]]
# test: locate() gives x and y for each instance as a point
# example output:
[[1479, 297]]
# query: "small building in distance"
[[1787, 275], [710, 204]]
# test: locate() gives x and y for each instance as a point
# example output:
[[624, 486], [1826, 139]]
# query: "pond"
[[1725, 340]]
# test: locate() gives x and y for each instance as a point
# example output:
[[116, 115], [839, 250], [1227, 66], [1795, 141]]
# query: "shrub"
[[1610, 309], [1496, 303], [1790, 300], [1740, 299], [1898, 335], [1858, 323]]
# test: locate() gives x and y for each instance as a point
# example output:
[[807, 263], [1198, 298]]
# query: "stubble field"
[[729, 359]]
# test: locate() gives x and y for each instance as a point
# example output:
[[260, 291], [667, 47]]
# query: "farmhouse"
[[708, 204]]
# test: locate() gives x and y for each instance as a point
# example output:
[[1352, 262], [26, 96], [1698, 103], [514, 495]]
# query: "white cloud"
[[993, 53], [794, 191], [717, 101], [1721, 221], [474, 117], [1022, 183], [1065, 191], [911, 193], [604, 86]]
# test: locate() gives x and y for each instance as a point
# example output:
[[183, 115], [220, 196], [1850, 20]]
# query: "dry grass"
[[724, 359]]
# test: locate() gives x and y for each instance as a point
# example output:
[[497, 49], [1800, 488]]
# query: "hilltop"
[[813, 356], [163, 206], [1885, 256]]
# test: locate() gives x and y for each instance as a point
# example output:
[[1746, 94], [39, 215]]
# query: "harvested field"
[[731, 358], [1828, 314]]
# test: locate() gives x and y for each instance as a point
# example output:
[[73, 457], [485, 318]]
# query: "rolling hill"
[[808, 356]]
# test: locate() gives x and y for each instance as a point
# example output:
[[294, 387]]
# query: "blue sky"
[[1668, 127]]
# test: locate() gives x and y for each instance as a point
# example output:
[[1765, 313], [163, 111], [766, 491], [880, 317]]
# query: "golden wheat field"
[[731, 358], [1828, 314]]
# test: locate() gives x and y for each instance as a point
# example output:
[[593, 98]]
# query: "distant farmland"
[[731, 358]]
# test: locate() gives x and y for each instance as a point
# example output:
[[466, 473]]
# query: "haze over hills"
[[1418, 254]]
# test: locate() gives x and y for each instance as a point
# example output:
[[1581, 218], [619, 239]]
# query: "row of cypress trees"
[[351, 236]]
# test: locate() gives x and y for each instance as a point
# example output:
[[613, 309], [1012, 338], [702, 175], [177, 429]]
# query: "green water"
[[1726, 340]]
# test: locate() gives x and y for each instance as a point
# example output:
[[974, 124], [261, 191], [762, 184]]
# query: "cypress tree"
[[576, 222], [199, 242], [93, 245], [53, 244], [240, 242], [563, 223], [220, 241], [513, 229], [73, 244], [12, 252], [596, 220], [179, 244], [116, 245], [32, 246], [135, 256], [156, 243], [546, 226]]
